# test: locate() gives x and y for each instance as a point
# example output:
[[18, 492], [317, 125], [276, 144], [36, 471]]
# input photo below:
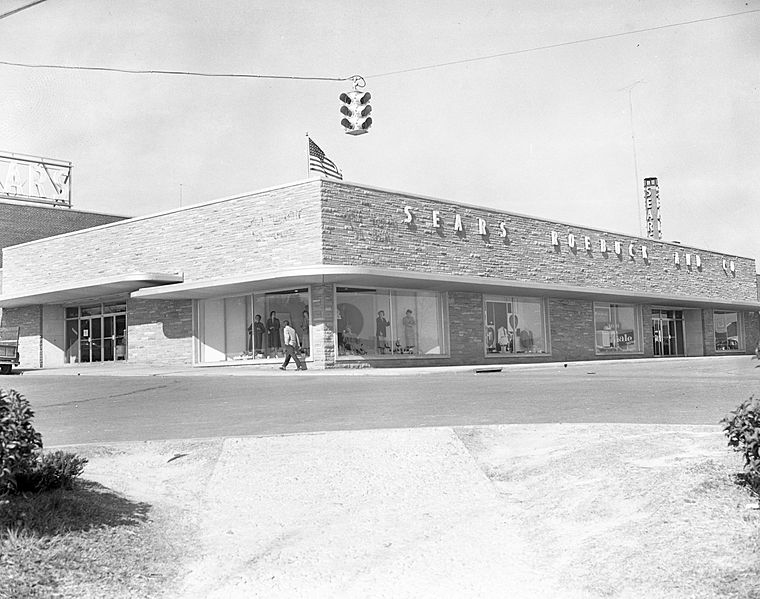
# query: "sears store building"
[[368, 277]]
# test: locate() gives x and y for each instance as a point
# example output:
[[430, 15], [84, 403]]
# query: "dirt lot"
[[545, 510]]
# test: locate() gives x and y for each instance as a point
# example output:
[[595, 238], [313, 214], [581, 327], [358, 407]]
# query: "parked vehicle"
[[8, 349]]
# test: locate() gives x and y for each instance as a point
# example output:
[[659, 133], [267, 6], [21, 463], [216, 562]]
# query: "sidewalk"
[[717, 363]]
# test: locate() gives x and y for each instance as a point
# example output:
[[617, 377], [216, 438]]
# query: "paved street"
[[94, 408], [396, 497]]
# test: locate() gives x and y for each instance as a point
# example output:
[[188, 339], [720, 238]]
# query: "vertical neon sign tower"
[[652, 208]]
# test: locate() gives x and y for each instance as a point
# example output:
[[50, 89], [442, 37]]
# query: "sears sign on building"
[[33, 179]]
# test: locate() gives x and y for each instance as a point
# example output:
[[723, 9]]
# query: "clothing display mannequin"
[[305, 332], [410, 330], [256, 332], [273, 333], [381, 331]]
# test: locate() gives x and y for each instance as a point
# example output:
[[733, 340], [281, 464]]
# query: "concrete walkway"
[[542, 511], [364, 514]]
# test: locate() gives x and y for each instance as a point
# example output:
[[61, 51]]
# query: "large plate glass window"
[[389, 323], [727, 331], [250, 327], [617, 328], [515, 325]]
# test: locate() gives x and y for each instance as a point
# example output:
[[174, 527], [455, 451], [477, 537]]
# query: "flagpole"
[[308, 162]]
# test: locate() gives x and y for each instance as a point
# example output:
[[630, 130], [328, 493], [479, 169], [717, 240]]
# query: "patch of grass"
[[627, 510], [81, 543]]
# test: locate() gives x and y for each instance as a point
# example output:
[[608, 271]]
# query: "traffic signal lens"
[[356, 109]]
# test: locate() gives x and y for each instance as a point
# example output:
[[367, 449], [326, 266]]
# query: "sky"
[[495, 103]]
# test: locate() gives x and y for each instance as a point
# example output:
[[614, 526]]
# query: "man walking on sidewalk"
[[291, 346]]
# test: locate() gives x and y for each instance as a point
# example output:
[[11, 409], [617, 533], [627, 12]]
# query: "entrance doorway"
[[667, 332], [96, 333]]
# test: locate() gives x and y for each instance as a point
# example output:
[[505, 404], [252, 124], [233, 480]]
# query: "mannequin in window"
[[526, 340], [410, 330], [381, 331], [256, 331], [502, 339], [340, 327], [305, 333], [491, 337], [351, 342], [273, 333]]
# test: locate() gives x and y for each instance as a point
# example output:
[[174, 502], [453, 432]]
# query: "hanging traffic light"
[[356, 111]]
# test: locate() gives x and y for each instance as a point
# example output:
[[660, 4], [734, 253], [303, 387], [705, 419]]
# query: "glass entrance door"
[[96, 332], [102, 338], [91, 339], [667, 332]]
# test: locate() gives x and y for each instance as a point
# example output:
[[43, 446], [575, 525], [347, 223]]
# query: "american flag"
[[321, 163]]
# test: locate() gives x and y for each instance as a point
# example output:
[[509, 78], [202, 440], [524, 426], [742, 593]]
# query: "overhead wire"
[[20, 8], [354, 77], [168, 72], [561, 44]]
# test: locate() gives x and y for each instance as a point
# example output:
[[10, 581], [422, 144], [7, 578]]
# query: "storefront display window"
[[389, 323], [727, 337], [617, 328], [250, 327], [515, 325]]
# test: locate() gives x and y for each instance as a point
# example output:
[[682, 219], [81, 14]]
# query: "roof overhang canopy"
[[126, 283], [359, 276]]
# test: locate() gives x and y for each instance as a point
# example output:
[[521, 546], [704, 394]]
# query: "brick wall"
[[29, 318], [20, 223], [572, 329], [366, 227], [268, 230], [708, 328], [160, 331], [322, 315], [466, 327], [751, 331], [646, 322]]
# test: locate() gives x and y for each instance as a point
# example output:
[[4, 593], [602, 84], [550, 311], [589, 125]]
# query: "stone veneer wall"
[[159, 331], [20, 223], [571, 327], [366, 227], [322, 317], [267, 230], [751, 331], [646, 325], [29, 319], [465, 326]]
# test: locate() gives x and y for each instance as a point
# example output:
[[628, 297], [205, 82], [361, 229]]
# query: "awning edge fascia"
[[327, 273], [125, 283]]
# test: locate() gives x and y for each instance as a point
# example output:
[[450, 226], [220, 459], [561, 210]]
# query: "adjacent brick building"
[[368, 277], [21, 222]]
